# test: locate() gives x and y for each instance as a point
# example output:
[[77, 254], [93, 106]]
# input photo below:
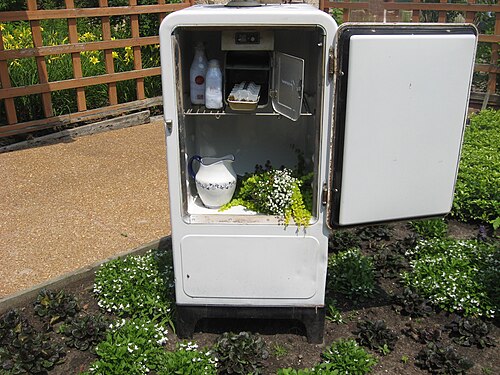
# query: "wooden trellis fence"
[[74, 47], [414, 11]]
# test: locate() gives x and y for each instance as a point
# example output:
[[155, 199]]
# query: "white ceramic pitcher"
[[215, 180]]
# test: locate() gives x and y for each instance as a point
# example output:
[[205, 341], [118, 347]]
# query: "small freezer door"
[[287, 87], [401, 101]]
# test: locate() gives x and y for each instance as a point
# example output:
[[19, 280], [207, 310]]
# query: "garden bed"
[[285, 341]]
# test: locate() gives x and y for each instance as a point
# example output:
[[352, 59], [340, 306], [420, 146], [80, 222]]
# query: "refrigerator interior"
[[252, 137]]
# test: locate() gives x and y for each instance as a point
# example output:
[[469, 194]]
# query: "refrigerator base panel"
[[313, 318]]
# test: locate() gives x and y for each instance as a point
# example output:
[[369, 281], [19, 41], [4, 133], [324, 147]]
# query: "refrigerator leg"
[[313, 318]]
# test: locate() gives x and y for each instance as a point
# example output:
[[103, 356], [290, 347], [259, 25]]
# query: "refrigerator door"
[[287, 87], [401, 100]]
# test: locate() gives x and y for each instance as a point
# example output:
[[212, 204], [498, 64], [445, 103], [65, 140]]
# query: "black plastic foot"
[[313, 318]]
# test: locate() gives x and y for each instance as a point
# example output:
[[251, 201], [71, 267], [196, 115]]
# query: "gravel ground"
[[67, 205]]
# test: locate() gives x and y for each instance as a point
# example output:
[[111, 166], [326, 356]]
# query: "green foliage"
[[23, 350], [375, 335], [471, 331], [433, 228], [351, 273], [413, 304], [345, 357], [135, 286], [54, 307], [273, 192], [456, 275], [291, 371], [477, 191], [342, 240], [240, 353], [439, 359], [279, 350], [375, 233], [333, 313], [131, 347], [422, 335], [187, 360], [84, 332], [388, 262]]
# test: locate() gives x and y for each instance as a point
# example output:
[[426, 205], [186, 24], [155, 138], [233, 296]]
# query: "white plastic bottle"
[[197, 75], [213, 88]]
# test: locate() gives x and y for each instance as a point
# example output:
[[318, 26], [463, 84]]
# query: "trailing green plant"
[[413, 304], [342, 240], [135, 287], [187, 359], [84, 332], [274, 192], [351, 273], [375, 335], [477, 196], [440, 359], [375, 233], [131, 347], [23, 350], [240, 353], [471, 331], [432, 228], [456, 275], [54, 307]]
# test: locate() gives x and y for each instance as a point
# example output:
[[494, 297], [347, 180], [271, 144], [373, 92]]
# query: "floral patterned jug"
[[215, 180]]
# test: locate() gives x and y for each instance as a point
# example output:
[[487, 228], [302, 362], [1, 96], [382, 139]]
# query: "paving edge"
[[28, 295]]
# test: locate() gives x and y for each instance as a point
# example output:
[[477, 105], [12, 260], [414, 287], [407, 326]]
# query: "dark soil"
[[290, 335]]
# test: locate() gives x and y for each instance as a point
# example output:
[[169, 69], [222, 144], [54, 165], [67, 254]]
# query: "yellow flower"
[[2, 27], [114, 54], [94, 60]]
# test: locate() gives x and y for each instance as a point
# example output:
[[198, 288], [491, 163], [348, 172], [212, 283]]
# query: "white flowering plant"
[[456, 275], [136, 286], [191, 359], [276, 192], [132, 346]]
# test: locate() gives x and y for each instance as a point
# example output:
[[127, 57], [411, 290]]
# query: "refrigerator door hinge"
[[331, 63], [168, 126], [273, 93], [324, 195]]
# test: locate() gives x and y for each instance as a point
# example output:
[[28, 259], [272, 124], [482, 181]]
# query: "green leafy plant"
[[240, 353], [279, 350], [440, 359], [333, 314], [422, 335], [404, 359], [351, 273], [375, 233], [343, 240], [478, 180], [345, 357], [456, 275], [187, 359], [413, 304], [84, 332], [274, 192], [54, 307], [23, 350], [388, 263], [291, 371], [471, 331], [135, 286], [131, 347], [375, 335], [433, 228]]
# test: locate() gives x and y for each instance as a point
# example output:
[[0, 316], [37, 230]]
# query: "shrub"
[[413, 304], [134, 286], [240, 353], [471, 331], [131, 347], [477, 196], [433, 228], [85, 332], [351, 273], [54, 307], [456, 275], [345, 357]]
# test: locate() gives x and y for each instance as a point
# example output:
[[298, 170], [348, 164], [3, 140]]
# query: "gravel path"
[[68, 205]]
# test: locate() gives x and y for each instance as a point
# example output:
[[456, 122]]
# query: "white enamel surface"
[[216, 183], [406, 101], [266, 267]]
